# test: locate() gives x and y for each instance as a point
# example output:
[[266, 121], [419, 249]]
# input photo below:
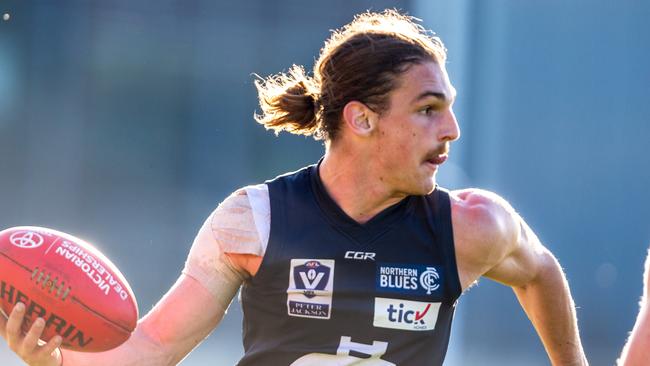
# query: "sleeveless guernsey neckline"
[[311, 248], [360, 233]]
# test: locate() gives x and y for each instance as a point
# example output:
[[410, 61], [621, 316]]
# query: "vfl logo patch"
[[405, 314], [414, 279], [311, 282]]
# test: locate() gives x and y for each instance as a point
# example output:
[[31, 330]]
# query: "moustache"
[[441, 150]]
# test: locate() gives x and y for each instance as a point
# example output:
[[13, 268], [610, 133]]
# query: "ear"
[[359, 118]]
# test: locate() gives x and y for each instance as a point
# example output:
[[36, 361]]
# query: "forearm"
[[547, 301], [140, 350], [177, 324]]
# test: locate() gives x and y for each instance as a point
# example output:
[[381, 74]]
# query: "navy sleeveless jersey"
[[331, 291]]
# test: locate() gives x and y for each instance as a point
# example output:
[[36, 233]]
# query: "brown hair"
[[359, 62]]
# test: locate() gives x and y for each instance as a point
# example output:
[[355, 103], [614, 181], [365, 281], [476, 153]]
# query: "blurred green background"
[[127, 122]]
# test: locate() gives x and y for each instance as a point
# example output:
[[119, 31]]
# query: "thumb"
[[3, 324]]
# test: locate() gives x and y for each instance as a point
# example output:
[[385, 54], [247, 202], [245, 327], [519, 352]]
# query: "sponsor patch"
[[311, 283], [413, 279], [405, 314]]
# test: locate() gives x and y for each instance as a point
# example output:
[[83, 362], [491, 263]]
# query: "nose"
[[449, 130]]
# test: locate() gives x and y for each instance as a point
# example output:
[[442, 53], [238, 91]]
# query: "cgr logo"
[[350, 254], [405, 314], [26, 239]]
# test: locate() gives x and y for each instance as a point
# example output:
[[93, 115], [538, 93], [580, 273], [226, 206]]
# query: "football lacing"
[[49, 284]]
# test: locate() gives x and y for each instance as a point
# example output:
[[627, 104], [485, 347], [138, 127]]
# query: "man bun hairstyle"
[[359, 62], [289, 102]]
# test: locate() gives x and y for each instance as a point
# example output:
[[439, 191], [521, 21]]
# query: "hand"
[[28, 347]]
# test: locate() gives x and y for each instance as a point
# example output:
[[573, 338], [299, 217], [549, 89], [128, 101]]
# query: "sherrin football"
[[77, 290]]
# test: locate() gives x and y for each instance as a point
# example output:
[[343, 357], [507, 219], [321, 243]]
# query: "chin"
[[426, 187], [430, 189]]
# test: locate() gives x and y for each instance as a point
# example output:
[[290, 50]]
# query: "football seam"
[[75, 299], [98, 314], [16, 262]]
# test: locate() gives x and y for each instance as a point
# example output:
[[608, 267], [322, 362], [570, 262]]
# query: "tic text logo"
[[405, 314]]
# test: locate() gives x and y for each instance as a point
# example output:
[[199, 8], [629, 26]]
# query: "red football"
[[77, 290]]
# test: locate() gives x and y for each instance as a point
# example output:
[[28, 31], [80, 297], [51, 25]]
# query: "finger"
[[3, 323], [14, 323], [49, 347], [30, 341]]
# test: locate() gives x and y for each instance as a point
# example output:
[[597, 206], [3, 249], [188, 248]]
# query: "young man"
[[359, 259]]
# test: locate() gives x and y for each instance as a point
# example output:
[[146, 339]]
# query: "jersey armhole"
[[258, 197], [445, 232]]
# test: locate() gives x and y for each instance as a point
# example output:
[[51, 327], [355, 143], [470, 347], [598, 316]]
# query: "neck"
[[355, 184]]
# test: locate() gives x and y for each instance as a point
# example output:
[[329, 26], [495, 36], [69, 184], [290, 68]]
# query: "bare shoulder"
[[483, 214], [485, 228]]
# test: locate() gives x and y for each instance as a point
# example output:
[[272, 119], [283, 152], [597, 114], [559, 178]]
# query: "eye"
[[427, 110]]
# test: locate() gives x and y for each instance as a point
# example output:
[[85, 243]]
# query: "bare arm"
[[163, 337], [544, 294], [177, 324], [500, 245], [635, 352], [185, 315]]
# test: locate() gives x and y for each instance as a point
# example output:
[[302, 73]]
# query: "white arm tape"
[[207, 264], [241, 225]]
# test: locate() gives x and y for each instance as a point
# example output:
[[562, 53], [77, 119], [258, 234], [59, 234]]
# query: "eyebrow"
[[442, 97]]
